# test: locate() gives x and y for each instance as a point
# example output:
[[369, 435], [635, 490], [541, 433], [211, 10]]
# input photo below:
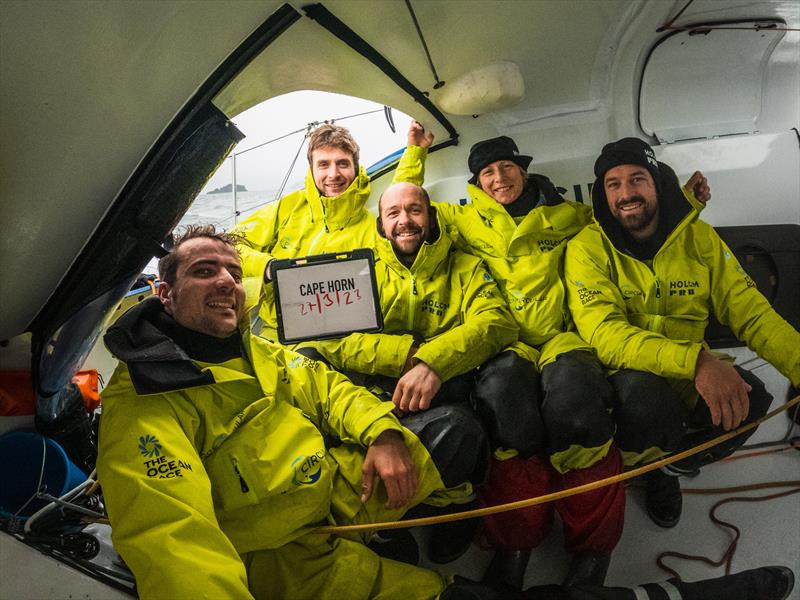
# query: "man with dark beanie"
[[518, 223], [642, 281]]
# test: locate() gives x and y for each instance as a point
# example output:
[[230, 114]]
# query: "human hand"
[[698, 187], [723, 389], [267, 274], [389, 459], [418, 136], [415, 390]]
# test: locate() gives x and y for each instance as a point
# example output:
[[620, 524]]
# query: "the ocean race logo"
[[160, 466], [308, 469], [149, 446]]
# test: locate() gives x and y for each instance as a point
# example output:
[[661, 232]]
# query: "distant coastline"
[[227, 189]]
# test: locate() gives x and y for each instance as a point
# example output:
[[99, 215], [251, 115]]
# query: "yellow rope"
[[490, 510]]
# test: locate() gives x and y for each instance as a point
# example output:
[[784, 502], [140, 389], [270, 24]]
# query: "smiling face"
[[632, 199], [207, 295], [333, 170], [405, 218], [503, 180]]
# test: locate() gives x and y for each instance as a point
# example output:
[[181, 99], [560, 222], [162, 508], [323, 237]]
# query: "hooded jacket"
[[203, 462], [447, 297], [651, 314], [301, 224], [525, 260]]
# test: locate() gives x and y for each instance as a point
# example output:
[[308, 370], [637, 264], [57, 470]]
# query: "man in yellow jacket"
[[216, 458], [328, 215], [445, 325], [642, 280], [216, 464]]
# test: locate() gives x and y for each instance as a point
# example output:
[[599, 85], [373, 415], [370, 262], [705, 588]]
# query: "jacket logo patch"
[[747, 279], [547, 245], [308, 469], [629, 293], [435, 307], [149, 446], [285, 243], [683, 287], [487, 276], [302, 361], [585, 294], [520, 301], [159, 466]]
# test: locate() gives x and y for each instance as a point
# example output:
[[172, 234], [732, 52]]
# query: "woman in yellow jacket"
[[519, 224]]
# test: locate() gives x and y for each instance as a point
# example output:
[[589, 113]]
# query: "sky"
[[264, 168]]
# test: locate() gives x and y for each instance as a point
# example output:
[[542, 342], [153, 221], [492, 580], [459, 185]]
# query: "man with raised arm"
[[643, 280], [216, 471]]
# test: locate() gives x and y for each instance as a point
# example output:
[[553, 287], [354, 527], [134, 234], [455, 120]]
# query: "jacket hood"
[[338, 211], [155, 361], [672, 208]]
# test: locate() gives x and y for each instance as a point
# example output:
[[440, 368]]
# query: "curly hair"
[[333, 136], [168, 265]]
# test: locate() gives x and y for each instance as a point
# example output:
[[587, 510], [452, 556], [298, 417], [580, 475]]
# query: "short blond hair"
[[332, 136]]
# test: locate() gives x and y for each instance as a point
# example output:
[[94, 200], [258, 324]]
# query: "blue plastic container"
[[21, 455]]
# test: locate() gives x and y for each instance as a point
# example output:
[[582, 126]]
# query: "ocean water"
[[219, 208]]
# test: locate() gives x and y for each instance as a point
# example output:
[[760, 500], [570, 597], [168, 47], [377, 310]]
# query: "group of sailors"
[[530, 344]]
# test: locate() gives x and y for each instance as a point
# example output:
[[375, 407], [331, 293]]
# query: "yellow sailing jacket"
[[447, 297], [525, 260], [201, 463], [301, 224], [652, 315]]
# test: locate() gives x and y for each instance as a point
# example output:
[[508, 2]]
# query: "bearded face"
[[632, 199]]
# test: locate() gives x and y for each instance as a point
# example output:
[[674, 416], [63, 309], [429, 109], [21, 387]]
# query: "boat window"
[[719, 80], [271, 161]]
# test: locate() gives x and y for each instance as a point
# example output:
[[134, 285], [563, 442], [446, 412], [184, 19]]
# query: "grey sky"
[[265, 168]]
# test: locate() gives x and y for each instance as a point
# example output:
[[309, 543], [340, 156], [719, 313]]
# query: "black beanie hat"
[[488, 151], [627, 151]]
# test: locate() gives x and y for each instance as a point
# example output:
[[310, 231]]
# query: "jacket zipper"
[[313, 244], [412, 302]]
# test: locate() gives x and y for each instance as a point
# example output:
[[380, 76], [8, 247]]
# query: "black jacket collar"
[[160, 353]]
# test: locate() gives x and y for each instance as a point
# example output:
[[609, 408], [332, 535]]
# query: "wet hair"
[[168, 265], [333, 136]]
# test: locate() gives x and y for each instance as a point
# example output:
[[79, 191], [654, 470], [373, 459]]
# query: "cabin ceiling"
[[88, 87]]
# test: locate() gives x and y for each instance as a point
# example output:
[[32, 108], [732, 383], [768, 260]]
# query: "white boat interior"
[[116, 114]]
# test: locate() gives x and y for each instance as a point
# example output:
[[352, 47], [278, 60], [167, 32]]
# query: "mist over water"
[[219, 209]]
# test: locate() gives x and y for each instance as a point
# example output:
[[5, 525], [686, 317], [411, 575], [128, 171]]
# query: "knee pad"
[[648, 413], [455, 440], [577, 396], [760, 398], [507, 401]]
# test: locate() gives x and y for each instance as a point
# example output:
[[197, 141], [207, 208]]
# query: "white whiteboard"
[[326, 296]]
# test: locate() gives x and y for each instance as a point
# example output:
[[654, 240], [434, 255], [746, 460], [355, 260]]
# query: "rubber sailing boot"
[[663, 498]]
